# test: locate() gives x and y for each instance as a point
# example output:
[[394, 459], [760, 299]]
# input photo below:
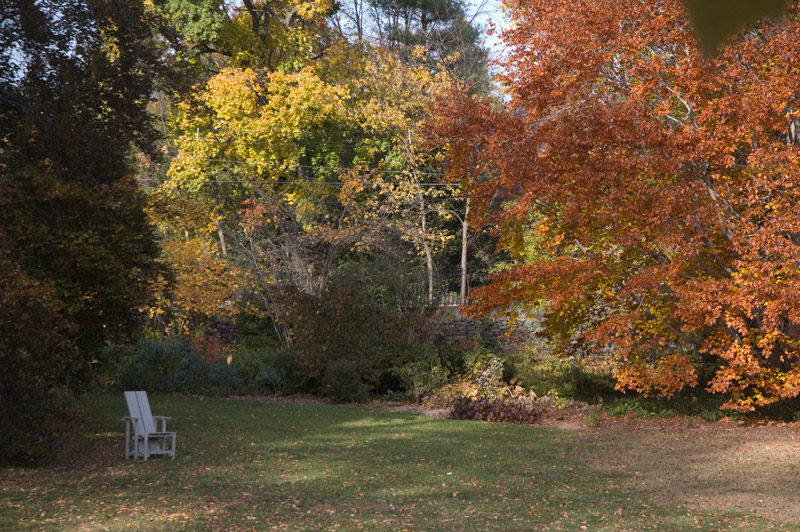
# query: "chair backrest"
[[139, 407]]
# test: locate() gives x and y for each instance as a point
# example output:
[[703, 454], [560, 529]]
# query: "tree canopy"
[[663, 185], [299, 150], [77, 252]]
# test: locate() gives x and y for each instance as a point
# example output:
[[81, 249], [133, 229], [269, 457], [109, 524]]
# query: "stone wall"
[[452, 325]]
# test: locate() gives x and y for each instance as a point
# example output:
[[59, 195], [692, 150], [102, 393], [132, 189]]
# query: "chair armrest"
[[163, 420], [132, 423]]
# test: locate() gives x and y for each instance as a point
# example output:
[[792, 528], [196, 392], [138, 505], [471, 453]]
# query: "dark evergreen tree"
[[442, 27], [77, 252]]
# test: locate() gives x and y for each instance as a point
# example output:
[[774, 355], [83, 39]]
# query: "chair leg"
[[127, 440]]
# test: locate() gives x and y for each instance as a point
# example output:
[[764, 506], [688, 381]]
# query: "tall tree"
[[443, 28], [327, 156], [248, 33], [662, 187], [75, 78], [317, 130]]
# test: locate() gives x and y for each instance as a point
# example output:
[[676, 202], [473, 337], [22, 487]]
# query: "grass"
[[269, 466]]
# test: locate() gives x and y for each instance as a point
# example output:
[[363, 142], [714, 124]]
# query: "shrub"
[[255, 332], [589, 380], [499, 410], [484, 382], [248, 363], [487, 373], [591, 416], [150, 364], [421, 379], [195, 375], [262, 369], [171, 365], [444, 396], [271, 380], [635, 406], [425, 374], [394, 397], [451, 355], [342, 383], [343, 324], [711, 415], [32, 419]]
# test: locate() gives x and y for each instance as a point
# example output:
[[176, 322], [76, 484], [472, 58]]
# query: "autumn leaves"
[[664, 185]]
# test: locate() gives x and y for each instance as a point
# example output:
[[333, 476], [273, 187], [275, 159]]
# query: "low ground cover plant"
[[498, 410]]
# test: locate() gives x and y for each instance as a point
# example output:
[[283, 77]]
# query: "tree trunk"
[[464, 234], [429, 258], [428, 255], [223, 246]]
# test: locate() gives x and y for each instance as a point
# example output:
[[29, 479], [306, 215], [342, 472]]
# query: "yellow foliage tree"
[[308, 165], [207, 288]]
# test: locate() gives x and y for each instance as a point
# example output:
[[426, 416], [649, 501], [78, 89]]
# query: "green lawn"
[[268, 466]]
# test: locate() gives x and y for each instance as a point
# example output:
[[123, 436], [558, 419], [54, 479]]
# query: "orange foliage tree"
[[660, 189]]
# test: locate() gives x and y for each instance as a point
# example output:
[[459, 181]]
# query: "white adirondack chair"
[[141, 437]]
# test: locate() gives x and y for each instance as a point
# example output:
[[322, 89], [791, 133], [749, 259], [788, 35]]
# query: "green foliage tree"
[[442, 27], [249, 34], [326, 153]]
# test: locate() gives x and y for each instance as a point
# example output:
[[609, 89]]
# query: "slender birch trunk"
[[464, 235]]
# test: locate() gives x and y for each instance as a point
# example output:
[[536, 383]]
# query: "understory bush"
[[33, 419], [487, 373], [687, 403], [421, 379], [342, 383], [343, 324], [497, 410], [633, 406], [196, 375], [425, 374], [588, 380], [262, 368], [483, 380], [149, 364], [174, 365]]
